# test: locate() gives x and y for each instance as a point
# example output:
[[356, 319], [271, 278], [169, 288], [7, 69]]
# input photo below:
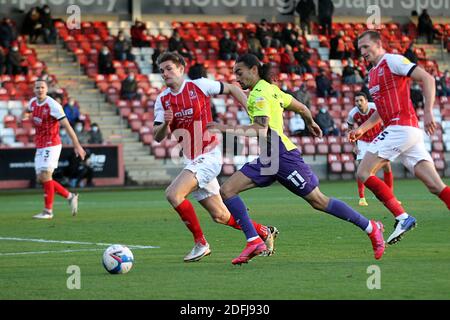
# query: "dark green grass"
[[318, 256]]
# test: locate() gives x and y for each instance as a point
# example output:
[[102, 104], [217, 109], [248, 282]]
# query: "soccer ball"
[[118, 259]]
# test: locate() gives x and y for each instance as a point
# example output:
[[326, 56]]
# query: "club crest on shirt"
[[192, 94], [167, 104], [37, 121], [381, 72], [260, 102]]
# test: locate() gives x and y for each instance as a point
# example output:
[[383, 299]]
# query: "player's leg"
[[298, 177], [403, 142], [388, 176], [45, 162], [45, 178], [220, 214], [238, 182], [229, 191], [341, 210], [361, 189], [72, 198], [176, 194], [426, 172], [360, 152], [366, 173]]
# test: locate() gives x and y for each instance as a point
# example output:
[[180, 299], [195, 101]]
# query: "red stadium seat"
[[309, 149], [159, 152], [335, 148], [349, 167]]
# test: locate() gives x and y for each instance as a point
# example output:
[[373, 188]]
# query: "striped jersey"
[[356, 116], [191, 109], [389, 85], [46, 116]]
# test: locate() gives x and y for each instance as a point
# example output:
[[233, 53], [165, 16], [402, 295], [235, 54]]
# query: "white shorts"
[[362, 149], [206, 168], [404, 142], [46, 159]]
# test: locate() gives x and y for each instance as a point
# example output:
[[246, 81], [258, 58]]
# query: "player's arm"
[[163, 118], [258, 128], [429, 92], [305, 113], [236, 92], [357, 133], [161, 129], [79, 151]]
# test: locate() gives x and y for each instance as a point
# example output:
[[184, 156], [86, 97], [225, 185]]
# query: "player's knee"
[[44, 177], [173, 197], [362, 174], [226, 192], [220, 218], [434, 187], [319, 203]]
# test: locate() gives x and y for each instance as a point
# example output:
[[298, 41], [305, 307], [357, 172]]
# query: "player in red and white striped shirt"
[[389, 85], [46, 115], [183, 110], [358, 115]]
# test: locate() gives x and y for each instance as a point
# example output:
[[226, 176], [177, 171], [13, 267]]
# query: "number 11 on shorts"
[[297, 179]]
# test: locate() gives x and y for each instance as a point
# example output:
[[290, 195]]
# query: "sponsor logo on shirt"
[[374, 89], [187, 112]]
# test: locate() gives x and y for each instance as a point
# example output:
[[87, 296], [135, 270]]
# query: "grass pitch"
[[317, 256]]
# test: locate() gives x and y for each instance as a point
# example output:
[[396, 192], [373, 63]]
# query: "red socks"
[[445, 196], [361, 189], [260, 229], [385, 195], [187, 214], [59, 189], [49, 194], [389, 179]]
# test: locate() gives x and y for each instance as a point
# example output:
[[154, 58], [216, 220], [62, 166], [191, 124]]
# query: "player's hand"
[[168, 116], [429, 123], [354, 135], [315, 130], [215, 127], [79, 151]]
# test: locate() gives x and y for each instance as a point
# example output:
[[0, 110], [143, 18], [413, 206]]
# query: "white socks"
[[403, 216]]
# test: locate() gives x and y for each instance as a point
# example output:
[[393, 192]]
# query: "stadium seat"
[[335, 147], [439, 160], [321, 145], [349, 167], [334, 163]]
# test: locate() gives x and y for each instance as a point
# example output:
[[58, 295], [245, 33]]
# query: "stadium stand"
[[202, 39]]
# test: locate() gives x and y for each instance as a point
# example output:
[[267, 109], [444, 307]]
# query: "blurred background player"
[[184, 110], [389, 85], [358, 115], [47, 114], [281, 161]]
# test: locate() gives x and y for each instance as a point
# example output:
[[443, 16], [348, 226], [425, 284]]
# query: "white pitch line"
[[53, 251], [75, 242], [45, 252]]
